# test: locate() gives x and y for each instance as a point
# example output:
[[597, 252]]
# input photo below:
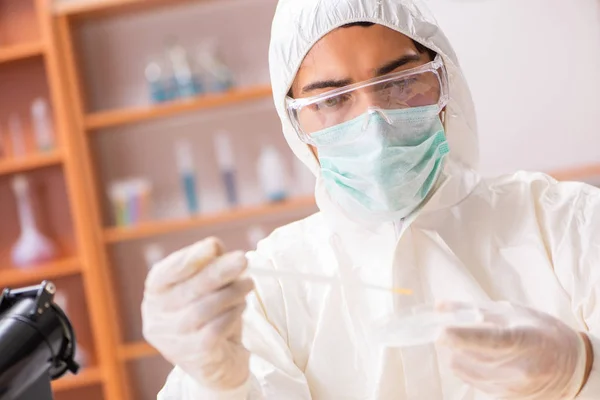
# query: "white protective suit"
[[525, 239]]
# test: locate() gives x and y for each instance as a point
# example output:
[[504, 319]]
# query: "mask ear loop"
[[443, 116]]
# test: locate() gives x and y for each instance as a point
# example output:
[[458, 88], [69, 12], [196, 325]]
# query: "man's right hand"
[[192, 313]]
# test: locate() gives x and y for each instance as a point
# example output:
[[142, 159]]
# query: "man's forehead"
[[358, 45]]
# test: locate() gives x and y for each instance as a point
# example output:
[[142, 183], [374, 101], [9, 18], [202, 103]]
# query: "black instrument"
[[37, 343]]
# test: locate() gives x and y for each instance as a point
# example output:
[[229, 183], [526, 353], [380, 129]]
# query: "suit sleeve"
[[572, 227]]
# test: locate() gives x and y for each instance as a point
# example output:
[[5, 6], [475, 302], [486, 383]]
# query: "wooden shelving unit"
[[29, 163], [78, 126], [86, 377], [86, 125], [39, 74], [154, 228], [14, 277], [21, 52], [109, 119], [136, 351]]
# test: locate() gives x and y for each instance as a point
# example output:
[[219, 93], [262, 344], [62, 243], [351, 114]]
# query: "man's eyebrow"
[[392, 65], [338, 83], [331, 83]]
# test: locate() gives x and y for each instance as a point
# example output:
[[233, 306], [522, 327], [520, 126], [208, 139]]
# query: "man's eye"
[[330, 103]]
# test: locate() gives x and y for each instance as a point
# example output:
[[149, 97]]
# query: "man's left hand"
[[517, 353]]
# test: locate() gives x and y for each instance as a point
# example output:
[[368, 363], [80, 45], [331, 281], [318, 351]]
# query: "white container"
[[272, 175], [42, 125]]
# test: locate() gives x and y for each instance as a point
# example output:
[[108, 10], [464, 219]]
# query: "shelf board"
[[29, 162], [14, 276], [121, 234], [87, 377], [578, 173], [135, 351], [108, 119], [102, 8], [21, 51]]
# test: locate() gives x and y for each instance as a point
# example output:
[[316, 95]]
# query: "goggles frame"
[[436, 67]]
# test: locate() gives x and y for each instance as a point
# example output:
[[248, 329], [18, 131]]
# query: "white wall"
[[534, 69]]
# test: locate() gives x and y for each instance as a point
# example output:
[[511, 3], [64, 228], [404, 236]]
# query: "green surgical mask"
[[382, 165]]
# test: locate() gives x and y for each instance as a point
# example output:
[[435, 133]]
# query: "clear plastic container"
[[32, 247], [422, 325], [130, 201], [272, 174], [42, 125], [218, 77]]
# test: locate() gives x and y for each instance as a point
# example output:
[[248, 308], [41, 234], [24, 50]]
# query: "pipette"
[[321, 279]]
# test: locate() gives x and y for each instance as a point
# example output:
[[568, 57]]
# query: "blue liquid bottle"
[[226, 162], [187, 174]]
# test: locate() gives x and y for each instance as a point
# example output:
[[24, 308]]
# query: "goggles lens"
[[420, 87]]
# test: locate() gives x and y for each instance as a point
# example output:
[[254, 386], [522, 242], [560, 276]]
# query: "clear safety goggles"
[[423, 86]]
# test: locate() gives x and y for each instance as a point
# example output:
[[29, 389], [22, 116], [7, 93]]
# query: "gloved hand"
[[192, 313], [517, 353]]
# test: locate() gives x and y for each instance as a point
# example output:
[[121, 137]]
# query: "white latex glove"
[[192, 313], [517, 353]]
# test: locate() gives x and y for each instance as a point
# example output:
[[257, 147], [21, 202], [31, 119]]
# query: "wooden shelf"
[[135, 351], [114, 235], [86, 377], [21, 51], [102, 8], [107, 119], [29, 162], [14, 276], [578, 173]]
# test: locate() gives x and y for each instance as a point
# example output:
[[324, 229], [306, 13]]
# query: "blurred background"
[[132, 128]]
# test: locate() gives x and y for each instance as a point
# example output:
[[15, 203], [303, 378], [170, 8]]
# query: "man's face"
[[354, 54]]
